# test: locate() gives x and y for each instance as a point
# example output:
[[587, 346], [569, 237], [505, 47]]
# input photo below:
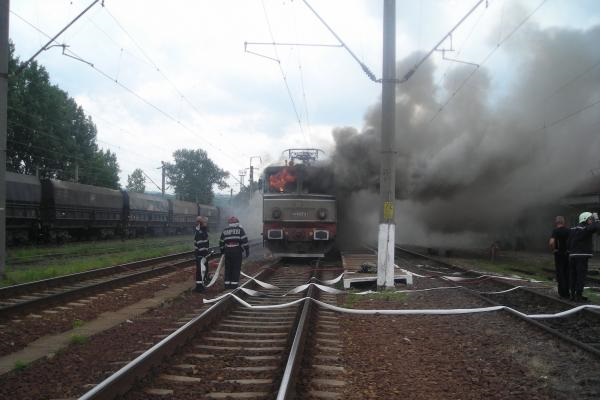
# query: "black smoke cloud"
[[486, 159]]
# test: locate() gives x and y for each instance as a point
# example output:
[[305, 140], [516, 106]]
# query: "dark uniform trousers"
[[561, 263], [201, 250], [578, 268], [232, 265], [233, 241]]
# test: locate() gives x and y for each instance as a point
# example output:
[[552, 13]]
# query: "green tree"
[[49, 133], [102, 170], [193, 176], [136, 182]]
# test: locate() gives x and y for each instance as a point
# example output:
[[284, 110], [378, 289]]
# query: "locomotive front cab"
[[299, 210]]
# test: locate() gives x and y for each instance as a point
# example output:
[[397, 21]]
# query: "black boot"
[[199, 288]]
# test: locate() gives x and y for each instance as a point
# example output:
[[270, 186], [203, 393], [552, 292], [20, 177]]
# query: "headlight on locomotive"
[[322, 213], [276, 213]]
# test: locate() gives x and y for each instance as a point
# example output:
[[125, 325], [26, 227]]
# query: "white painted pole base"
[[386, 256]]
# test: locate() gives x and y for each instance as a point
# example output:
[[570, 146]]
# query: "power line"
[[55, 152], [151, 62], [302, 85], [283, 75], [450, 65], [575, 78], [364, 67], [43, 48], [449, 34], [569, 116], [51, 135], [488, 56], [107, 76]]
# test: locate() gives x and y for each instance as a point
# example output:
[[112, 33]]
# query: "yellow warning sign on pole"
[[388, 210]]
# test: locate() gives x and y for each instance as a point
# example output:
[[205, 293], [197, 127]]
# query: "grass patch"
[[133, 250], [510, 264], [20, 365], [43, 252], [77, 323], [593, 296], [79, 339]]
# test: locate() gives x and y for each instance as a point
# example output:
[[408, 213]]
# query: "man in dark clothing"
[[233, 241], [580, 246], [201, 251], [558, 244]]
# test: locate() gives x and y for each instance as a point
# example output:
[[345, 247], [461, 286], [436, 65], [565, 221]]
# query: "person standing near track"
[[201, 251], [580, 246], [233, 241], [558, 245]]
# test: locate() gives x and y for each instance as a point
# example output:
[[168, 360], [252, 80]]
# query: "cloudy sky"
[[171, 75]]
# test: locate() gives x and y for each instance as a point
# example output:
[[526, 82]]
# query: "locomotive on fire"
[[298, 205], [53, 210]]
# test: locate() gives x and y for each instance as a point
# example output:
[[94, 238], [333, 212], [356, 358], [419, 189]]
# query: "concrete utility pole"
[[386, 237], [242, 173], [4, 9], [163, 178], [251, 179], [252, 174]]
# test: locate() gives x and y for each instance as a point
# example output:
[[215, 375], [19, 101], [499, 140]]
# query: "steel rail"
[[51, 283], [538, 324], [495, 280], [293, 364], [45, 284], [122, 381], [92, 288]]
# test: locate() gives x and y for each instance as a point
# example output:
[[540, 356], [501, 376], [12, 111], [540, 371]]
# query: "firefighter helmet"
[[233, 220], [584, 216]]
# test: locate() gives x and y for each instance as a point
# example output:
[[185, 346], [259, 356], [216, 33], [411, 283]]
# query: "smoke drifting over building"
[[479, 165]]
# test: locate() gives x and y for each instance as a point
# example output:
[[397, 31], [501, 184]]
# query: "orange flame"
[[279, 180]]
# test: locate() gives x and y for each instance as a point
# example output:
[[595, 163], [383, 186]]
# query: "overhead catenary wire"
[[153, 64], [412, 70], [462, 47], [53, 39], [55, 137], [132, 92], [486, 58], [283, 75], [364, 67]]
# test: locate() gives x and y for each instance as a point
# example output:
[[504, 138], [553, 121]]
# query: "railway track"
[[233, 351], [581, 329], [49, 292]]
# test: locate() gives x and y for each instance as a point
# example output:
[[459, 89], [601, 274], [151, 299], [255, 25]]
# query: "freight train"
[[298, 205], [50, 210]]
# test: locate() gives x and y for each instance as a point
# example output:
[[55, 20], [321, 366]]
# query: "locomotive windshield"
[[297, 179]]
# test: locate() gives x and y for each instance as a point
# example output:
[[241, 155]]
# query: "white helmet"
[[584, 216]]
